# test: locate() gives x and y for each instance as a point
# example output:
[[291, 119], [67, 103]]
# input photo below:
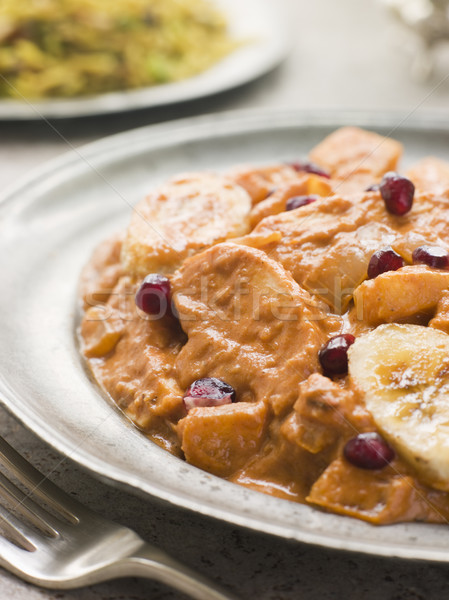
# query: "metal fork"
[[55, 542]]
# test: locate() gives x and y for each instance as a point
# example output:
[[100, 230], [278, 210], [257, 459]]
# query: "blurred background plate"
[[49, 225], [264, 23]]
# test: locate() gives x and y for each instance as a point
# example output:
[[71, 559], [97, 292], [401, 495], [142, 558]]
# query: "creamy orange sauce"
[[255, 310]]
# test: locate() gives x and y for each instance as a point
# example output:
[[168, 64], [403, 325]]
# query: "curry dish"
[[286, 327]]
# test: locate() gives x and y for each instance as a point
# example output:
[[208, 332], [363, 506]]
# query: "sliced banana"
[[188, 214], [403, 371]]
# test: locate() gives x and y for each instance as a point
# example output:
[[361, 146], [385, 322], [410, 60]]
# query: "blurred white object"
[[429, 21]]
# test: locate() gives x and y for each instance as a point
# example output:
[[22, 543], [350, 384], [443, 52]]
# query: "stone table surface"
[[346, 55]]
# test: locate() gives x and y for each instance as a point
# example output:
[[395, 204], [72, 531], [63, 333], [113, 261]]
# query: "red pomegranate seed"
[[309, 167], [153, 296], [397, 193], [434, 256], [333, 356], [368, 451], [384, 260], [208, 391], [298, 201]]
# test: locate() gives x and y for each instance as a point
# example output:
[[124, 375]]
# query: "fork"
[[53, 541]]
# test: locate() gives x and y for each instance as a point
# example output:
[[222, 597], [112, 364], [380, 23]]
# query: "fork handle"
[[147, 561]]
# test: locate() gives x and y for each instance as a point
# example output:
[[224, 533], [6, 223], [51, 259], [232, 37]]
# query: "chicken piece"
[[221, 439], [327, 245], [247, 323], [324, 412], [280, 468], [396, 296], [357, 156], [181, 218], [260, 182], [276, 202], [430, 175]]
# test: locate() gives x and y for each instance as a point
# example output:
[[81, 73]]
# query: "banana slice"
[[404, 372], [188, 214]]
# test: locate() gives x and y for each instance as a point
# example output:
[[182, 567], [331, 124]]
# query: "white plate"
[[264, 23], [48, 228]]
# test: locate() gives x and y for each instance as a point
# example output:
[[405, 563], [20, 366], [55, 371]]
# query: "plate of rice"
[[65, 58]]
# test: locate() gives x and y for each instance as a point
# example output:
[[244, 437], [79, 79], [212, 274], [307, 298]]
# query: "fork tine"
[[12, 534], [37, 483], [23, 504], [20, 532]]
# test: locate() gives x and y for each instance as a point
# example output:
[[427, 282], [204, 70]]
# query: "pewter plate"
[[49, 225], [261, 24]]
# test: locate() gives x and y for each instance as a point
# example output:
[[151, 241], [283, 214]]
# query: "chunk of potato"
[[221, 439], [379, 497], [259, 182], [352, 152], [396, 296], [100, 332], [430, 175]]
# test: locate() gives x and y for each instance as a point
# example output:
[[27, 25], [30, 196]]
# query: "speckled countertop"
[[346, 55]]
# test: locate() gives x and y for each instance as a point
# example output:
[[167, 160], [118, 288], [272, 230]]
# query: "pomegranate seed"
[[384, 260], [208, 391], [309, 167], [153, 296], [298, 201], [333, 356], [397, 192], [368, 451], [434, 256]]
